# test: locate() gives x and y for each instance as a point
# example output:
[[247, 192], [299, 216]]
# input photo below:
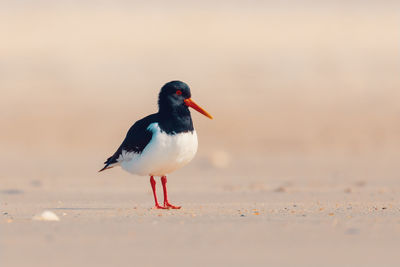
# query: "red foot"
[[169, 206], [166, 203]]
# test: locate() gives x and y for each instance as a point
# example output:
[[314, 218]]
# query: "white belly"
[[164, 154]]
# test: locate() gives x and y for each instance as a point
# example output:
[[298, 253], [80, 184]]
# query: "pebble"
[[280, 189]]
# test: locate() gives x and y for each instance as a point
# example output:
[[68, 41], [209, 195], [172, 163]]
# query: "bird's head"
[[176, 96]]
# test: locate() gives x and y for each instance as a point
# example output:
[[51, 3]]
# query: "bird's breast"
[[164, 154]]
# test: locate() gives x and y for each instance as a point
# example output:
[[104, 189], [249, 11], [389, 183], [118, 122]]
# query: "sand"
[[336, 219]]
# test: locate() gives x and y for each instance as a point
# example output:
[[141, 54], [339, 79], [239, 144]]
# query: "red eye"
[[179, 92]]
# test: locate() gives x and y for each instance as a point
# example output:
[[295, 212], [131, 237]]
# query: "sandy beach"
[[231, 219]]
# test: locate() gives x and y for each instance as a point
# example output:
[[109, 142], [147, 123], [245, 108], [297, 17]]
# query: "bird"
[[162, 142]]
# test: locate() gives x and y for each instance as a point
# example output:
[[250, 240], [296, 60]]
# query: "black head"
[[174, 101], [173, 95]]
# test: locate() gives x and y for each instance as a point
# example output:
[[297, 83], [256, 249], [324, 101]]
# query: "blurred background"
[[293, 83], [301, 158]]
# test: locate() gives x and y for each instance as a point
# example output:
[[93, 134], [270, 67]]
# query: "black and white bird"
[[162, 142]]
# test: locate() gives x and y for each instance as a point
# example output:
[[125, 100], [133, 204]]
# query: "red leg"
[[153, 186], [166, 203]]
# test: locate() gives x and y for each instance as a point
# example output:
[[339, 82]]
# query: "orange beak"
[[190, 103]]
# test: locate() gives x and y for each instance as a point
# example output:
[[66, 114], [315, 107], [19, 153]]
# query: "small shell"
[[46, 216]]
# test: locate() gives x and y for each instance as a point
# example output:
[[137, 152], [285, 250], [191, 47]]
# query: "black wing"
[[136, 139]]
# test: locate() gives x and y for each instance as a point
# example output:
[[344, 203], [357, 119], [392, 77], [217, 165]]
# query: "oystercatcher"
[[162, 142]]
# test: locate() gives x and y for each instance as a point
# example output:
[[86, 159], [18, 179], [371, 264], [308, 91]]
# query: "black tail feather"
[[106, 167], [108, 162]]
